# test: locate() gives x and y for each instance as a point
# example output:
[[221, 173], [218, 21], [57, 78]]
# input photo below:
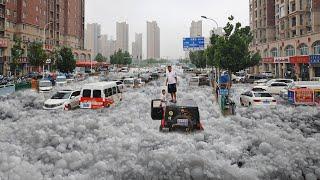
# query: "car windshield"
[[194, 80], [61, 95], [128, 81], [45, 84], [61, 79], [262, 95]]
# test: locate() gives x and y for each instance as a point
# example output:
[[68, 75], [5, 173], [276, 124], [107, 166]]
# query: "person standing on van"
[[172, 84]]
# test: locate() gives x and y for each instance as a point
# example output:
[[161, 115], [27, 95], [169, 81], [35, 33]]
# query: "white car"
[[121, 86], [129, 82], [273, 88], [254, 98], [45, 86], [261, 81], [66, 99], [61, 80], [139, 83], [268, 74], [287, 81]]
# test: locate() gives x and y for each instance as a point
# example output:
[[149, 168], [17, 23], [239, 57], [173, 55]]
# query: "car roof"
[[99, 85], [68, 90]]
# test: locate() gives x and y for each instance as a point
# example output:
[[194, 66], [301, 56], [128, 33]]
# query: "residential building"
[[122, 36], [103, 45], [137, 47], [111, 48], [196, 29], [153, 40], [60, 22], [93, 35], [287, 35]]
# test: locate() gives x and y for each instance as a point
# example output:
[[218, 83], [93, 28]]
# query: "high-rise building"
[[137, 47], [111, 48], [63, 22], [153, 40], [92, 36], [196, 29], [287, 35], [123, 36], [103, 44]]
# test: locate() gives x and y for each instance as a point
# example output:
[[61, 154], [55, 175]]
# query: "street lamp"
[[44, 39], [205, 17]]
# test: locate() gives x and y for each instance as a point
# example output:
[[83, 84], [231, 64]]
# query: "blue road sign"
[[194, 43]]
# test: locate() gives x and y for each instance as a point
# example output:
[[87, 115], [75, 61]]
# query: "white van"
[[100, 95], [45, 86]]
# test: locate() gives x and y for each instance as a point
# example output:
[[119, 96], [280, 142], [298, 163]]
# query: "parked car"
[[199, 81], [66, 99], [129, 82], [256, 98], [45, 85], [124, 69], [139, 83], [121, 86], [61, 80], [268, 74], [252, 78], [274, 87], [287, 81]]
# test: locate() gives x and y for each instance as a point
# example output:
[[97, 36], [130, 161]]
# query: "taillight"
[[256, 100]]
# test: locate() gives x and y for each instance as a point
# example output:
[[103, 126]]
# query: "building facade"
[[111, 48], [103, 44], [55, 22], [153, 40], [92, 38], [122, 36], [196, 29], [137, 47], [287, 36]]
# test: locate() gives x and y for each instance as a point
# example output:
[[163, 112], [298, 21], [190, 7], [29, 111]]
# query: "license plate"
[[266, 102], [86, 105], [182, 122]]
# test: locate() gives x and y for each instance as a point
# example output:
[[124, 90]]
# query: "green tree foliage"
[[36, 55], [100, 58], [122, 58], [65, 61], [231, 51], [16, 53], [198, 58]]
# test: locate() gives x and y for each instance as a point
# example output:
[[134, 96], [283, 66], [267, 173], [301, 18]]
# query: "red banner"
[[299, 59], [268, 60]]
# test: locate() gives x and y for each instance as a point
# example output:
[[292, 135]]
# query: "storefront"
[[315, 65], [300, 67], [282, 66]]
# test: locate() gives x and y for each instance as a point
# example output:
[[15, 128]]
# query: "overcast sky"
[[173, 16]]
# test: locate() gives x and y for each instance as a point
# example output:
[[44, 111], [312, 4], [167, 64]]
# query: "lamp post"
[[208, 18], [44, 39]]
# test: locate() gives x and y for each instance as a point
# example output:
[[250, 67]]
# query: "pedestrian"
[[171, 82], [163, 98]]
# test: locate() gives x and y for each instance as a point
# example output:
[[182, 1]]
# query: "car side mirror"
[[156, 109], [72, 97]]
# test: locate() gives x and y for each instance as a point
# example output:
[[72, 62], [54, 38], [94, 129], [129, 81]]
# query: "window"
[[303, 49], [114, 90], [77, 93], [290, 51], [316, 47], [86, 93], [96, 94], [274, 52], [108, 92]]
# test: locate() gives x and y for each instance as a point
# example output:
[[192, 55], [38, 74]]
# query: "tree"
[[198, 58], [100, 58], [16, 53], [119, 57], [65, 61], [36, 55], [231, 51]]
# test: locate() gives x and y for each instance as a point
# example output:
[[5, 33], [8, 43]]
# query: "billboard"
[[193, 43]]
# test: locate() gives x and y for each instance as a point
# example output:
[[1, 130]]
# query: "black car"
[[182, 116]]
